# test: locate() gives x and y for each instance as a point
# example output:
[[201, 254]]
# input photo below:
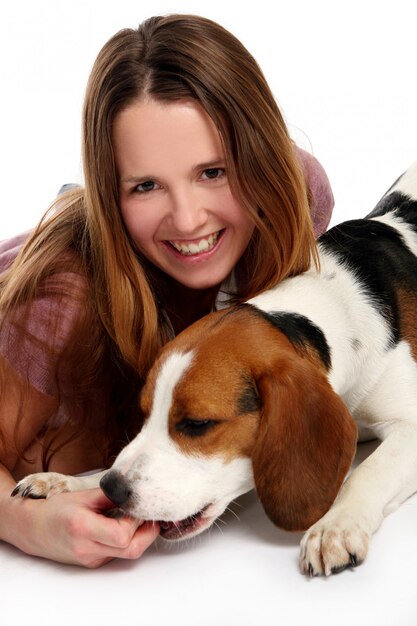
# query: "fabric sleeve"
[[321, 195], [33, 338], [9, 249]]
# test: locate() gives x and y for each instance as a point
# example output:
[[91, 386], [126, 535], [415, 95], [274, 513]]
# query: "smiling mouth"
[[194, 248], [184, 527]]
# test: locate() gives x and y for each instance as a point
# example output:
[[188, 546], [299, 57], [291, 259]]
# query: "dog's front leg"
[[45, 484], [373, 490]]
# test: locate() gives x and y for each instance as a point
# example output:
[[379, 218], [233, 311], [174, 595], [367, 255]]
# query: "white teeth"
[[196, 248], [204, 245]]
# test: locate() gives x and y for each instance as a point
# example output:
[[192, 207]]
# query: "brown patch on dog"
[[407, 304], [218, 386]]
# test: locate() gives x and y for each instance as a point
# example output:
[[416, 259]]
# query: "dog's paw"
[[335, 542], [41, 485]]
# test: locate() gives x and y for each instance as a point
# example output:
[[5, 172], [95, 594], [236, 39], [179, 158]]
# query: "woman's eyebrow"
[[209, 164], [136, 179]]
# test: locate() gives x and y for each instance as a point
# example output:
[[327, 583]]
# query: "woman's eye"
[[213, 173], [146, 186]]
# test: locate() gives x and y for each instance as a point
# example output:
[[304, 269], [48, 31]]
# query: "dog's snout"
[[116, 487]]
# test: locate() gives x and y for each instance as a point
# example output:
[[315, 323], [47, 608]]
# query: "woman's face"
[[174, 193]]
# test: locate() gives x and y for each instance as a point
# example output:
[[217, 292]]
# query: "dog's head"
[[231, 404]]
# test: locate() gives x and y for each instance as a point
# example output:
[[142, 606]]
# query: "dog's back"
[[381, 251], [401, 197]]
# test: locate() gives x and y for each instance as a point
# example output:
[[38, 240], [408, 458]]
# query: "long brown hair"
[[171, 58]]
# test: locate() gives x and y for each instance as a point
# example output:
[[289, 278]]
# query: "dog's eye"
[[194, 428]]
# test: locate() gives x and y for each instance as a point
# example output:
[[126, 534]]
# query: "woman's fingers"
[[115, 533], [143, 537], [125, 537]]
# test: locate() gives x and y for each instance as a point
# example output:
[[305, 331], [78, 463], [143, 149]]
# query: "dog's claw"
[[339, 568], [26, 493]]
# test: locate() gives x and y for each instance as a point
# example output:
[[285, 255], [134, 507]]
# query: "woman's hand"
[[67, 527], [71, 528]]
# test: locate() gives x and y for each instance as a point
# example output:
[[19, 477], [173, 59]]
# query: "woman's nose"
[[187, 213]]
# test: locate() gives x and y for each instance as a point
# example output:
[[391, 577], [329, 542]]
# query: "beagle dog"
[[273, 393]]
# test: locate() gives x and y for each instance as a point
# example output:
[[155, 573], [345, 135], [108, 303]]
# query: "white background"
[[344, 74]]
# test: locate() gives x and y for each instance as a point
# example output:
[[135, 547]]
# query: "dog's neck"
[[332, 300]]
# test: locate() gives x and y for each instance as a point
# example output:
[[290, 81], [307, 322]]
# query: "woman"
[[194, 197]]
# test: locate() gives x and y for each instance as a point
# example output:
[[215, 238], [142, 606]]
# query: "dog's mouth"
[[182, 528]]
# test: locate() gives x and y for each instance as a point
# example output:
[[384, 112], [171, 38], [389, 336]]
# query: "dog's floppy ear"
[[305, 444]]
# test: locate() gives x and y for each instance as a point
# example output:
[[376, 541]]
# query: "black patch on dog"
[[248, 400], [300, 331], [377, 255], [398, 204]]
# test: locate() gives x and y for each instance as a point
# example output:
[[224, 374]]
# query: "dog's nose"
[[116, 487]]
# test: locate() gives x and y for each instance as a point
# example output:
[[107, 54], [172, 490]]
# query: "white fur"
[[156, 428]]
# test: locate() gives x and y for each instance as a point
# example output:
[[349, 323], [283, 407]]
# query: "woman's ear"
[[305, 445]]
